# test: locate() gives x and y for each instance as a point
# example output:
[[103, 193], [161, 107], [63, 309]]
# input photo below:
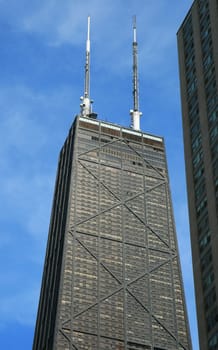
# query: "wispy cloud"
[[59, 22]]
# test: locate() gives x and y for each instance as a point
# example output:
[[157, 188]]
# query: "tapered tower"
[[112, 276]]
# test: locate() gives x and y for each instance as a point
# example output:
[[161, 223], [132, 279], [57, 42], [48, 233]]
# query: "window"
[[192, 86], [214, 150], [210, 299], [208, 74], [199, 190], [203, 224], [193, 109], [197, 158], [196, 143], [195, 129], [192, 103], [204, 241], [205, 33], [189, 50], [213, 342], [137, 346], [212, 319], [213, 117], [190, 74], [208, 280], [189, 61], [198, 175], [206, 260], [202, 7], [201, 206], [213, 133], [187, 30], [204, 22], [211, 102], [211, 88], [208, 60]]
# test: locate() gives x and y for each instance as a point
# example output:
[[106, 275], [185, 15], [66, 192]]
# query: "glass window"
[[205, 22], [201, 206], [187, 29], [208, 280], [204, 241], [203, 224], [214, 150], [195, 129], [205, 33], [213, 133], [199, 190], [202, 7], [192, 87], [197, 158], [213, 117], [189, 61], [198, 174], [211, 102], [193, 107], [209, 74], [196, 143], [208, 60], [190, 74], [213, 342], [211, 88], [210, 299], [206, 260], [212, 319]]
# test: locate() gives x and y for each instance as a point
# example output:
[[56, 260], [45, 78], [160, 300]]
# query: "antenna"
[[135, 114], [86, 102], [87, 65]]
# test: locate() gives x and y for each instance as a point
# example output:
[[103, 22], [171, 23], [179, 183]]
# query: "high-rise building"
[[112, 278], [198, 60]]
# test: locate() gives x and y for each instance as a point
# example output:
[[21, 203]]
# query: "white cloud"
[[59, 22]]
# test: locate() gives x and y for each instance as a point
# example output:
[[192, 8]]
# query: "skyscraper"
[[198, 60], [112, 276]]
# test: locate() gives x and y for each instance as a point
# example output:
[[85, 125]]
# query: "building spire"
[[135, 114], [86, 101]]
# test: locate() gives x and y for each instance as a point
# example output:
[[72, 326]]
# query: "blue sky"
[[41, 79]]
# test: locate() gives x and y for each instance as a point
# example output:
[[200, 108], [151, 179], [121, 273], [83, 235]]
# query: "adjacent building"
[[112, 278], [198, 61]]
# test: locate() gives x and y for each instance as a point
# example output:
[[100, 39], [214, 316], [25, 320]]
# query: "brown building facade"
[[112, 278], [198, 63]]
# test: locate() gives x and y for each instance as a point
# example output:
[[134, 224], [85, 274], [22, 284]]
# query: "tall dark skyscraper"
[[198, 58], [112, 278]]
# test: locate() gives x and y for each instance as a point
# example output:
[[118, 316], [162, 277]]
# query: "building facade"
[[198, 61], [112, 278]]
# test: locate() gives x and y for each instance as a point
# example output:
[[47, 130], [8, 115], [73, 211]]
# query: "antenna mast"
[[135, 114], [86, 102]]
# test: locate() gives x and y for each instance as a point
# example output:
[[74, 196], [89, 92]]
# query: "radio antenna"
[[135, 114], [86, 102]]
